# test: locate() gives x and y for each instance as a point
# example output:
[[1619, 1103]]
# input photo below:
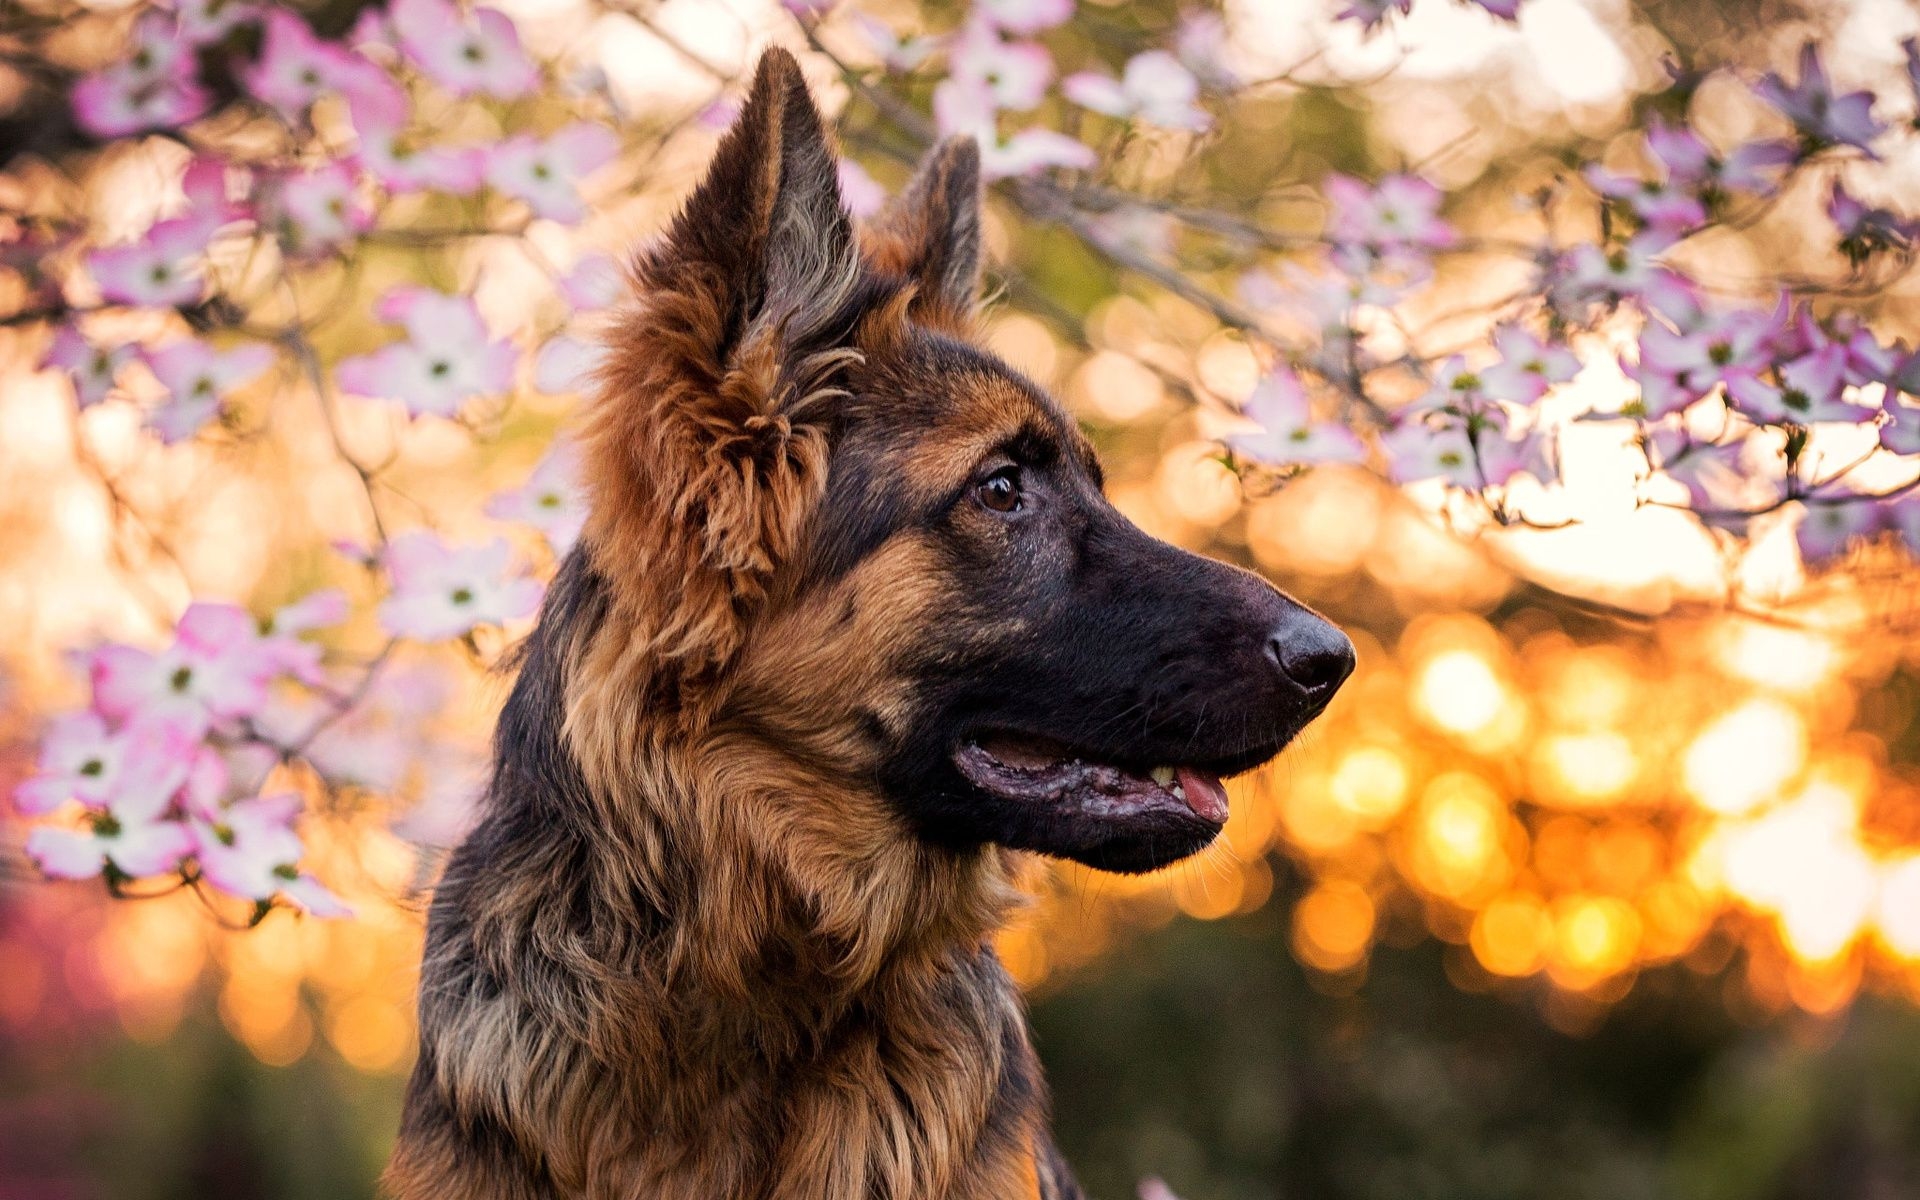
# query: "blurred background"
[[1583, 888]]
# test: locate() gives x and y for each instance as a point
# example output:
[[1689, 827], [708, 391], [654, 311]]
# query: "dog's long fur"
[[722, 930], [683, 957]]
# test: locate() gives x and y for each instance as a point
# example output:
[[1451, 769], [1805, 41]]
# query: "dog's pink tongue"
[[1206, 795]]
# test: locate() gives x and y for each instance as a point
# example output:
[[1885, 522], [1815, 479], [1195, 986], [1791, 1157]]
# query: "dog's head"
[[831, 523]]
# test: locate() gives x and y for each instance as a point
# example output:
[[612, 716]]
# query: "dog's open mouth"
[[1037, 771]]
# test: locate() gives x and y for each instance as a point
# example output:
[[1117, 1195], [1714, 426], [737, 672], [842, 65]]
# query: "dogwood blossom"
[[157, 86], [249, 848], [1289, 435], [1681, 365], [93, 368], [1590, 274], [552, 500], [84, 759], [1828, 526], [1024, 16], [545, 172], [1867, 231], [197, 377], [565, 365], [860, 192], [468, 53], [1154, 87], [216, 670], [1823, 118], [315, 210], [161, 269], [442, 591], [1528, 367], [132, 843], [392, 152], [1013, 74], [962, 110], [1401, 211], [594, 282], [446, 359], [296, 67], [1373, 13], [896, 53]]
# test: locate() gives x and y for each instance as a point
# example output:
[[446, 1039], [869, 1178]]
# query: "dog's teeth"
[[1179, 793], [1163, 776]]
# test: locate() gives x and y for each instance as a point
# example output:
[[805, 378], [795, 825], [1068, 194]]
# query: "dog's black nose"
[[1312, 653]]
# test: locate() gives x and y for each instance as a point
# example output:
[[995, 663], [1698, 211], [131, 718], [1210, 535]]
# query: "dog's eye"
[[1000, 491]]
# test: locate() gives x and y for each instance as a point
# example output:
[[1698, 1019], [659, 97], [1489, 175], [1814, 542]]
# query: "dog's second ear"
[[930, 234], [706, 445]]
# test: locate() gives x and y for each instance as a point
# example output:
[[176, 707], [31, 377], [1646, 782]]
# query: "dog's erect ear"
[[706, 446], [930, 233], [766, 229]]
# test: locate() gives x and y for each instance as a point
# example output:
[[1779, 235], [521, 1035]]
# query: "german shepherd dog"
[[850, 629]]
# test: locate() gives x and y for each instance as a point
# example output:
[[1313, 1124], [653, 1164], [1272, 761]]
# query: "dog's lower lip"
[[1035, 771]]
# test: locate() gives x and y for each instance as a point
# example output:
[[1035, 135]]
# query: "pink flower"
[[1200, 39], [1154, 87], [1810, 389], [1014, 74], [544, 173], [1829, 525], [197, 377], [1024, 16], [91, 367], [859, 191], [1589, 274], [896, 53], [960, 109], [82, 759], [281, 638], [311, 896], [807, 10], [1527, 368], [552, 500], [1663, 203], [295, 67], [155, 87], [1823, 118], [162, 269], [447, 360], [1506, 10], [1864, 231], [134, 846], [477, 52], [1503, 455], [130, 780], [313, 211], [216, 670], [1418, 450], [1400, 211], [565, 366], [595, 282], [249, 848], [1289, 435], [1372, 13], [442, 591], [392, 155], [1677, 367], [1900, 432]]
